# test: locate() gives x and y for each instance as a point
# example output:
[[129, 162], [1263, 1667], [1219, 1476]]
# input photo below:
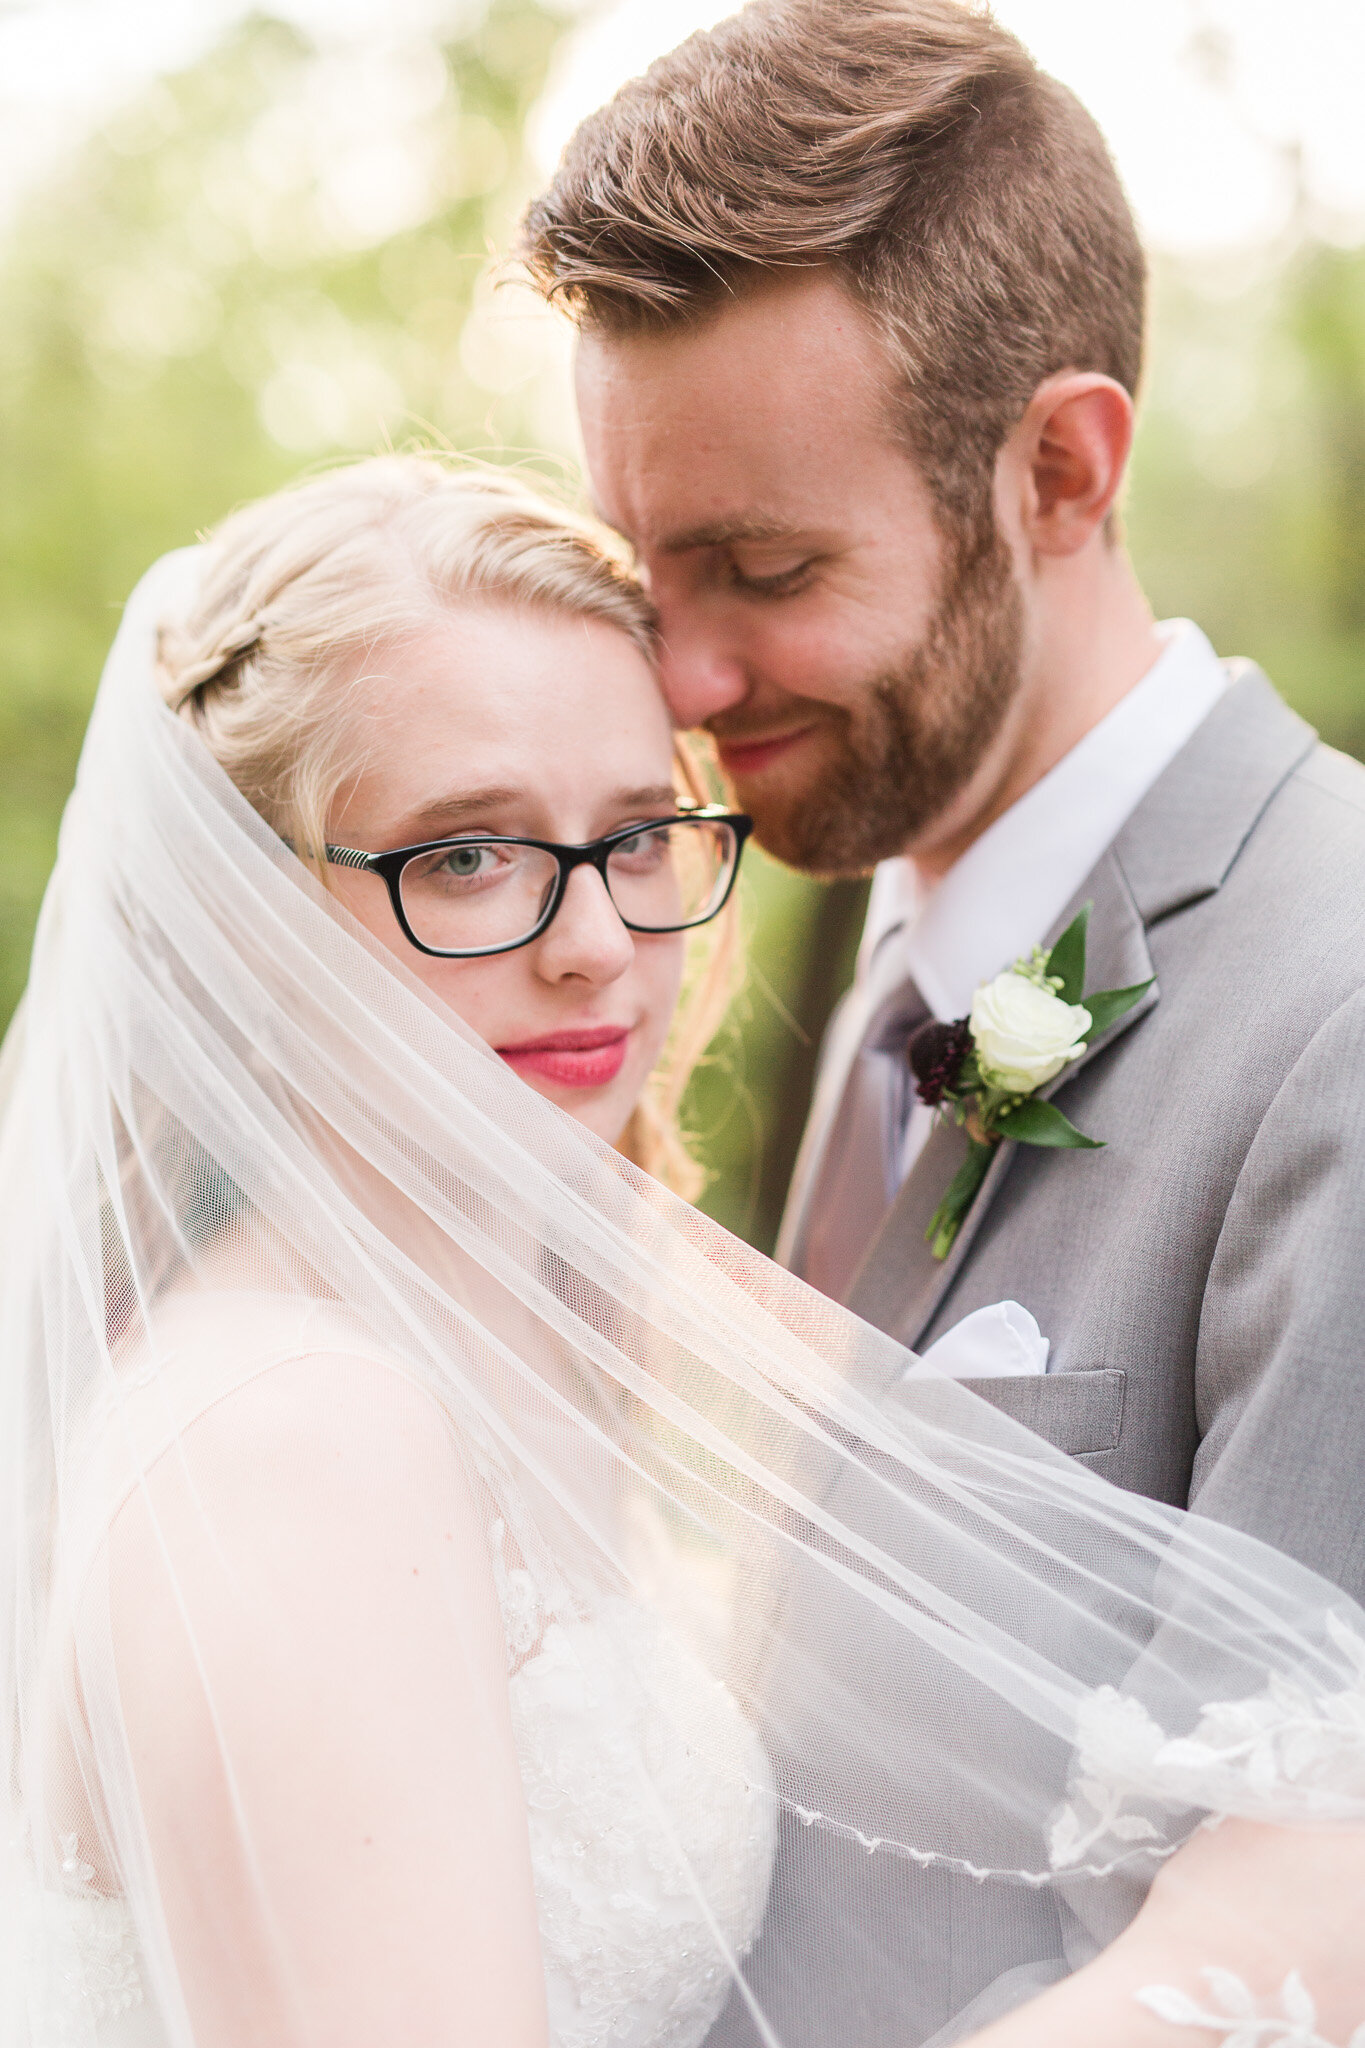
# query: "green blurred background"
[[195, 307]]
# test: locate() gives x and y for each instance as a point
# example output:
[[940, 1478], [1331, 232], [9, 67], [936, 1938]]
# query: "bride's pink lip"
[[575, 1059]]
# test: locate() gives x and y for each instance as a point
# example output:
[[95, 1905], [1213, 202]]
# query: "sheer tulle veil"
[[322, 1335]]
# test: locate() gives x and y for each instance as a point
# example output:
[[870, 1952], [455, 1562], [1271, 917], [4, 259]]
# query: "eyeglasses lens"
[[477, 894], [463, 898], [671, 875]]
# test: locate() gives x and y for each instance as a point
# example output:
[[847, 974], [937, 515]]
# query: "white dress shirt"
[[999, 900]]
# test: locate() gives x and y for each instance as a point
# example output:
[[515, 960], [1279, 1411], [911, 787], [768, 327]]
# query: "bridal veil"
[[349, 1390]]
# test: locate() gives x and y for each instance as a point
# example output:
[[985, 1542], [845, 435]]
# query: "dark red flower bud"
[[936, 1052]]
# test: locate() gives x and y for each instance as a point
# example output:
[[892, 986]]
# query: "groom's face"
[[853, 663]]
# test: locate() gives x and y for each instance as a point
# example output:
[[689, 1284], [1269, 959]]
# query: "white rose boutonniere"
[[1024, 1033], [1024, 1028]]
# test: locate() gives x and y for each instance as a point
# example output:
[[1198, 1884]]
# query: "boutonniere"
[[986, 1069]]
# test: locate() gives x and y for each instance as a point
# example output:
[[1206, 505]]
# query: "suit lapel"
[[1117, 954], [1176, 848], [900, 1282], [1182, 840]]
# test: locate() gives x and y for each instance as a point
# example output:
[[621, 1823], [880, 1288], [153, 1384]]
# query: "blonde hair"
[[301, 586], [913, 147]]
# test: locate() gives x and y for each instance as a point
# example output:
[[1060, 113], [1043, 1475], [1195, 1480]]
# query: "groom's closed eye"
[[762, 582]]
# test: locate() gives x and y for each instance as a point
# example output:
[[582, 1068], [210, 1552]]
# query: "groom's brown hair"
[[963, 196]]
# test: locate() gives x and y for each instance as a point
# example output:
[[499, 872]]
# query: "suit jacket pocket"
[[1076, 1411]]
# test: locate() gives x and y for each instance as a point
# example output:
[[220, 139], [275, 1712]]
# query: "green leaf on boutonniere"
[[1042, 1123], [1107, 1005], [1066, 961], [946, 1220]]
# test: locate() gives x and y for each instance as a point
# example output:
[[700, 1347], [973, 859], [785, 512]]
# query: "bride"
[[403, 1490]]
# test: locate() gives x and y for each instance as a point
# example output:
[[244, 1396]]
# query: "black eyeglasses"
[[461, 898]]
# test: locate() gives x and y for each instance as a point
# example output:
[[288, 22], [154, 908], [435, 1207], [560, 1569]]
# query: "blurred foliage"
[[222, 285], [1247, 502], [281, 256]]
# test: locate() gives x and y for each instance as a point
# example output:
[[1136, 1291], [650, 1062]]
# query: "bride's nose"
[[587, 938]]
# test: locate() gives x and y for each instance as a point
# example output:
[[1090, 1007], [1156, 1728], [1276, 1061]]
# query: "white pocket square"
[[993, 1343]]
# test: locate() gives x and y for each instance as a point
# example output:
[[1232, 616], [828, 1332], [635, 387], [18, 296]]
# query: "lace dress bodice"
[[650, 1819]]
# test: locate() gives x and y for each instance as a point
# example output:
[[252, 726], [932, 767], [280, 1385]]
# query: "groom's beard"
[[892, 765]]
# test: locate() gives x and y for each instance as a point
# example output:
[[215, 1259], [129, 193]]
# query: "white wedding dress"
[[630, 1958], [645, 1890], [649, 1883]]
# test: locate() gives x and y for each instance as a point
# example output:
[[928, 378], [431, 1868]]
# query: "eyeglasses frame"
[[590, 853]]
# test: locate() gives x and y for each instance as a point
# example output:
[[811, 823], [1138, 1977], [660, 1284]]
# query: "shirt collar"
[[1012, 883]]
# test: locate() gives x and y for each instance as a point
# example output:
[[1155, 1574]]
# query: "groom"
[[861, 309]]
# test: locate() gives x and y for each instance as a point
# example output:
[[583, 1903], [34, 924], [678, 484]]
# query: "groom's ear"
[[1061, 467]]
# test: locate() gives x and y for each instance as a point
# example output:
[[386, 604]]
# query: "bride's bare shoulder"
[[275, 1461], [289, 1390], [307, 1547]]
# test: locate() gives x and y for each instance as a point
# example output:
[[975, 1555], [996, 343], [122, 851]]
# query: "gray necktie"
[[856, 1179]]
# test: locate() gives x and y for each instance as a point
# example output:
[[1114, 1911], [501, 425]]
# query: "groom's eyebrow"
[[719, 533]]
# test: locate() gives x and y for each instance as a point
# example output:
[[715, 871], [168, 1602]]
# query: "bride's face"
[[511, 722]]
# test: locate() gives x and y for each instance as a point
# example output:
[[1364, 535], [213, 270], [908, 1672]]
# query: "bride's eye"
[[643, 851], [468, 865]]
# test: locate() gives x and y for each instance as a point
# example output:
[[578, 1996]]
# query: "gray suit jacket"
[[1202, 1278]]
